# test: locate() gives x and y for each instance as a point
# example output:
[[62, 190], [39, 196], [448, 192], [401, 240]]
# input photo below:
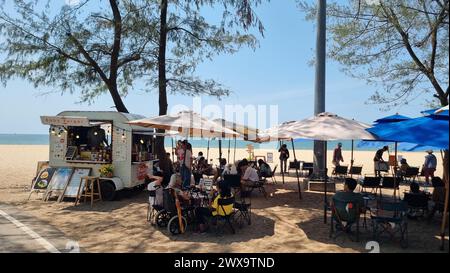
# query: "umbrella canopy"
[[325, 126], [187, 123], [247, 132], [393, 118], [427, 131], [402, 146]]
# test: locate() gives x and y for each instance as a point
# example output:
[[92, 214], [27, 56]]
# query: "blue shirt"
[[430, 161]]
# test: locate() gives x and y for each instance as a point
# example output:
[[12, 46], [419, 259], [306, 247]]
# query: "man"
[[337, 156], [199, 157], [348, 195], [250, 175], [429, 167], [378, 159], [284, 155], [186, 165]]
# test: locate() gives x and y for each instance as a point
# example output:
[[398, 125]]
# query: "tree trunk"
[[118, 102], [160, 150]]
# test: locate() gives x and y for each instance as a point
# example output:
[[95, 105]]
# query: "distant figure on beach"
[[379, 159], [337, 155], [429, 166], [284, 155]]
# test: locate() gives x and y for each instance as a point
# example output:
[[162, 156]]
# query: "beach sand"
[[281, 223]]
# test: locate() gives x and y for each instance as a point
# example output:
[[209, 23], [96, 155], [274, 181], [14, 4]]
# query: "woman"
[[202, 214], [264, 168], [284, 155]]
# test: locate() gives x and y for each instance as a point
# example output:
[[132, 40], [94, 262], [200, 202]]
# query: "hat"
[[429, 151]]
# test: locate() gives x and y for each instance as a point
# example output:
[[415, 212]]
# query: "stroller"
[[173, 215]]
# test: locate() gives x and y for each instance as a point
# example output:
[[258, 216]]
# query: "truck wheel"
[[108, 191]]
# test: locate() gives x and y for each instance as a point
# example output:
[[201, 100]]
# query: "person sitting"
[[414, 188], [402, 170], [176, 182], [438, 196], [214, 209], [156, 186], [201, 168], [240, 164], [348, 195], [264, 168], [249, 175], [199, 157]]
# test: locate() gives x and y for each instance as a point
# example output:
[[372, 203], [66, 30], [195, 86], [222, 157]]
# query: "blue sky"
[[276, 73]]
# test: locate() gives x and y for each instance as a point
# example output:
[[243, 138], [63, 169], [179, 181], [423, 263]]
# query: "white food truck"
[[93, 139]]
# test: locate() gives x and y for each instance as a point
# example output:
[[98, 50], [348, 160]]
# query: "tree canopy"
[[400, 46]]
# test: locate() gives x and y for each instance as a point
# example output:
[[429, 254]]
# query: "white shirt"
[[251, 174], [158, 199]]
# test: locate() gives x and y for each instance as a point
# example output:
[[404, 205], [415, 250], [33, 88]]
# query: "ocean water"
[[43, 139]]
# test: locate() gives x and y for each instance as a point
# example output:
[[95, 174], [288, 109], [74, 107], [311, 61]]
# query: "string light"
[[142, 141]]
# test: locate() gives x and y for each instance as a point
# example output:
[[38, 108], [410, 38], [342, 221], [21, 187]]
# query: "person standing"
[[337, 155], [284, 155], [429, 167], [379, 159]]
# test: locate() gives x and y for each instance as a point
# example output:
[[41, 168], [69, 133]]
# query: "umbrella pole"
[[229, 146], [173, 151], [351, 160], [395, 171], [220, 150], [207, 153], [296, 170], [281, 165], [234, 154]]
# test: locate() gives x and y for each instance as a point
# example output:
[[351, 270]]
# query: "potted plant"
[[107, 171]]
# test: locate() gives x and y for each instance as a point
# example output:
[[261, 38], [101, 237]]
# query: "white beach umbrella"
[[327, 126], [187, 123]]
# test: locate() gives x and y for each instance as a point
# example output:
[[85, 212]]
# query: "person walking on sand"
[[337, 155], [379, 159], [284, 155], [429, 167]]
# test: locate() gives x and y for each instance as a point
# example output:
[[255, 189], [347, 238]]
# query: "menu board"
[[60, 179], [269, 157], [75, 181], [119, 146], [43, 178]]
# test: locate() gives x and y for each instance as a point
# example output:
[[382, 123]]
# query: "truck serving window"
[[89, 143]]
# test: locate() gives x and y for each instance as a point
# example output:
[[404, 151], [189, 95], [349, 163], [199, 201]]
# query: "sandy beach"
[[281, 223]]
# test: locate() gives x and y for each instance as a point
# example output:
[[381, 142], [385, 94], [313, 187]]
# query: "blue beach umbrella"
[[426, 131]]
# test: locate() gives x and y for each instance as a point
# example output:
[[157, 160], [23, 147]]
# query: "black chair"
[[411, 174], [391, 217], [294, 165], [371, 182], [417, 204], [345, 215], [259, 185], [232, 180], [340, 171], [355, 170], [224, 220], [243, 207], [307, 167], [272, 175], [389, 182]]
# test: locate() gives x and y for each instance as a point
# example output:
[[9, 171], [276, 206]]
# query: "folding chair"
[[371, 182], [344, 215], [243, 207], [390, 182], [355, 170], [307, 167], [295, 165], [226, 218], [260, 186], [340, 171], [417, 204], [272, 175], [411, 174], [392, 224]]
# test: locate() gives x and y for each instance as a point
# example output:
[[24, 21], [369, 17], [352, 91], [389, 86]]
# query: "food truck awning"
[[69, 121]]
